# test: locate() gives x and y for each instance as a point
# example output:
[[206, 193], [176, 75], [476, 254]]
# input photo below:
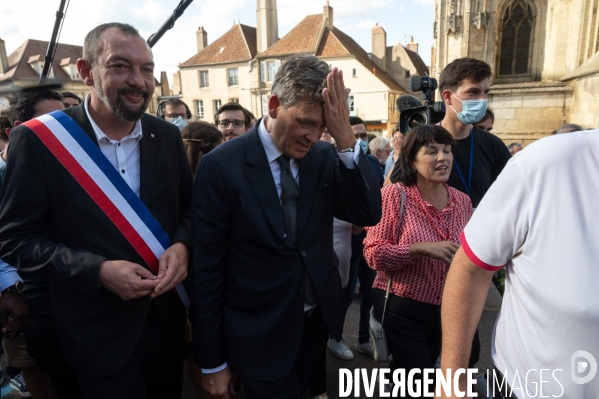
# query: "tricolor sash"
[[84, 160]]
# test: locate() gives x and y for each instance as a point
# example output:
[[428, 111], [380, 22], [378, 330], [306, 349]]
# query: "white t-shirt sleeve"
[[499, 225]]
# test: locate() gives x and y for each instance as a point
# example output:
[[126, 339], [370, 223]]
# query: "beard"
[[118, 106]]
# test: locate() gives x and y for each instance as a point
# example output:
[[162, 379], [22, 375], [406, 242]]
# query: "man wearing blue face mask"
[[361, 133], [174, 111], [480, 156]]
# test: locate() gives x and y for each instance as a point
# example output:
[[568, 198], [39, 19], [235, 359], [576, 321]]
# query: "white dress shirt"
[[124, 154], [272, 153]]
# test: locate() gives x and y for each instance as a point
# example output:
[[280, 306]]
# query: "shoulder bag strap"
[[401, 206]]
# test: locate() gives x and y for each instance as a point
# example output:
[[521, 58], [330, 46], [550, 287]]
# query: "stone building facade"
[[544, 55]]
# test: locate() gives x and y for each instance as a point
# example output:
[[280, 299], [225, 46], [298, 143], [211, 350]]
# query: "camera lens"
[[417, 119]]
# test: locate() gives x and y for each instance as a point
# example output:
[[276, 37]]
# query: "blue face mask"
[[472, 110], [179, 122], [364, 146]]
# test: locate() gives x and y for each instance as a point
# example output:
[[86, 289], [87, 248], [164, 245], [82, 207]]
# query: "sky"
[[34, 19]]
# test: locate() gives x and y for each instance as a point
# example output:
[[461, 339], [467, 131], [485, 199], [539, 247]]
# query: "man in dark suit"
[[120, 326], [267, 289]]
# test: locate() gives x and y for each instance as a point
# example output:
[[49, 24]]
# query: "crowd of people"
[[132, 245]]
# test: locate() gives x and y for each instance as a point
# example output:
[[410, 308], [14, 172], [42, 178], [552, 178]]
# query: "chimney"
[[202, 36], [166, 90], [177, 82], [267, 25], [412, 45], [3, 58], [379, 46], [328, 14]]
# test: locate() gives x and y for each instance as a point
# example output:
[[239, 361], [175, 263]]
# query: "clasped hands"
[[129, 280], [336, 110]]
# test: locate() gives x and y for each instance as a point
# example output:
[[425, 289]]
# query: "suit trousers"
[[295, 383], [154, 370], [42, 344]]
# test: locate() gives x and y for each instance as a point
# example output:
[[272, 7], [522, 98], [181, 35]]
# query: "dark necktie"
[[289, 194]]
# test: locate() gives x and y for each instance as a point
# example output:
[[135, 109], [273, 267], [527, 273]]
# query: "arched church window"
[[516, 37]]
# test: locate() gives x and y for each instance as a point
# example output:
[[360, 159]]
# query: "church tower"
[[537, 50]]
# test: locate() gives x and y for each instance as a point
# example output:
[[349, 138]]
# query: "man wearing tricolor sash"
[[98, 201]]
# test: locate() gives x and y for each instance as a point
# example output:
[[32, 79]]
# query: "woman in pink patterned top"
[[417, 261]]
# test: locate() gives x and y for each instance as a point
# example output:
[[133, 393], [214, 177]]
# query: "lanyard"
[[457, 168], [467, 187]]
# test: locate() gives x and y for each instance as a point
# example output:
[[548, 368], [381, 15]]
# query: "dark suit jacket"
[[376, 168], [248, 281], [48, 224]]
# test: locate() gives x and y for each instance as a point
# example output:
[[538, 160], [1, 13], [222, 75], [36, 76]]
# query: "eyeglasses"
[[237, 123], [362, 136], [175, 116]]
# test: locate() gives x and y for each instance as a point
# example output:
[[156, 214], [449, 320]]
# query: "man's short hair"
[[68, 94], [4, 124], [511, 146], [92, 45], [568, 128], [300, 78], [378, 143], [356, 120], [173, 102], [458, 70], [21, 107], [232, 106]]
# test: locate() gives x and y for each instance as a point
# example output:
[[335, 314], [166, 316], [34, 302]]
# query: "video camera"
[[429, 113]]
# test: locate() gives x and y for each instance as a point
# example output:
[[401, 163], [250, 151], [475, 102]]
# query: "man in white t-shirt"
[[540, 217]]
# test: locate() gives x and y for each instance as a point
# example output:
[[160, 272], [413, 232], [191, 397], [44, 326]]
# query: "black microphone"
[[406, 101]]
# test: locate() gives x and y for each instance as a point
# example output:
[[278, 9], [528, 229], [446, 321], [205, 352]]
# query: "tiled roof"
[[420, 66], [19, 69], [361, 56], [311, 36], [236, 45], [301, 39], [330, 46]]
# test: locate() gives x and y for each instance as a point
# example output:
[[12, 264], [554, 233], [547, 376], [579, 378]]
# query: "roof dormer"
[[69, 65], [37, 63]]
